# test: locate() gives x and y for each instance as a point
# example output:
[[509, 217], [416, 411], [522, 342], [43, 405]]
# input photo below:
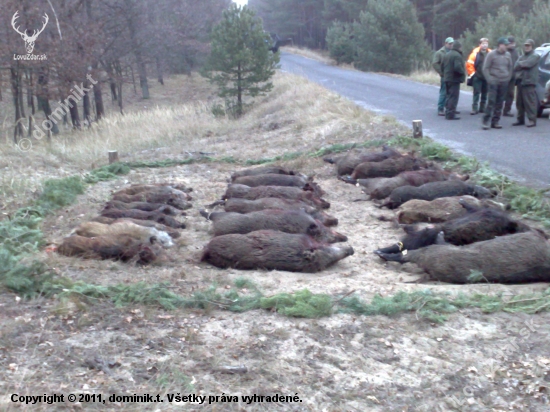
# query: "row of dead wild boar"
[[274, 219], [453, 230], [135, 225]]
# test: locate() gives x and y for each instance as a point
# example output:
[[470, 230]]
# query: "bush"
[[389, 38], [340, 42]]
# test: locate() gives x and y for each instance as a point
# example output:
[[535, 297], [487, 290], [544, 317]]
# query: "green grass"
[[426, 304]]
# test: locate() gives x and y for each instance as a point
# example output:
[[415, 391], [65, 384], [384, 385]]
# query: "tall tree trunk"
[[21, 93], [142, 69], [118, 71], [133, 78], [86, 106], [98, 97], [44, 102], [75, 118], [30, 98], [15, 86]]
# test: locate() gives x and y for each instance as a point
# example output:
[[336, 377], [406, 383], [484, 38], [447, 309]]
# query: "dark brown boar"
[[121, 247], [410, 178], [346, 163], [281, 192], [288, 221], [141, 215], [434, 190], [162, 187], [477, 225], [273, 250], [177, 199], [388, 168], [145, 206], [246, 206], [302, 182], [261, 171], [519, 258]]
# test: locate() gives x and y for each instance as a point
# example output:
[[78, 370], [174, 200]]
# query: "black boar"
[[273, 250]]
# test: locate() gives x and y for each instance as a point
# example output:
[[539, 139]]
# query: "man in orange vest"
[[474, 69]]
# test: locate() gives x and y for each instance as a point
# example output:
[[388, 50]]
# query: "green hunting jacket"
[[527, 69], [454, 69], [438, 59]]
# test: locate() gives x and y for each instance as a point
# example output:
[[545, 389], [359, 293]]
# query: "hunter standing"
[[474, 67], [497, 70], [437, 61], [509, 99], [454, 73], [526, 72]]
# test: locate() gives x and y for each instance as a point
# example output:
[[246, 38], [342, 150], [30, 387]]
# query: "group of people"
[[495, 75]]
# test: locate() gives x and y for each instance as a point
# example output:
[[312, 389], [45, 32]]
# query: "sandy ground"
[[473, 362]]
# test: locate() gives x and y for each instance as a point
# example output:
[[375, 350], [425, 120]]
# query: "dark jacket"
[[478, 65], [497, 67], [438, 59], [526, 68], [454, 69]]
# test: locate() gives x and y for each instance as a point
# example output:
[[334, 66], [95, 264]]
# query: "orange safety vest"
[[472, 59]]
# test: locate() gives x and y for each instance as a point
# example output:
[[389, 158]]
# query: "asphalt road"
[[519, 152]]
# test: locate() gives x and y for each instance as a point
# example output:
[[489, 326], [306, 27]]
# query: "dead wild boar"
[[145, 206], [281, 192], [246, 206], [302, 182], [162, 187], [288, 221], [434, 190], [388, 168], [477, 225], [140, 233], [261, 171], [141, 215], [120, 247], [441, 209], [175, 198], [273, 250], [174, 234], [519, 258], [383, 187], [349, 161]]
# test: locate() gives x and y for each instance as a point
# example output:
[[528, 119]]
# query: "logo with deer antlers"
[[29, 40]]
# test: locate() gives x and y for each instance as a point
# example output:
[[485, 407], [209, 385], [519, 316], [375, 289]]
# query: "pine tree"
[[389, 37], [340, 42], [240, 63]]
